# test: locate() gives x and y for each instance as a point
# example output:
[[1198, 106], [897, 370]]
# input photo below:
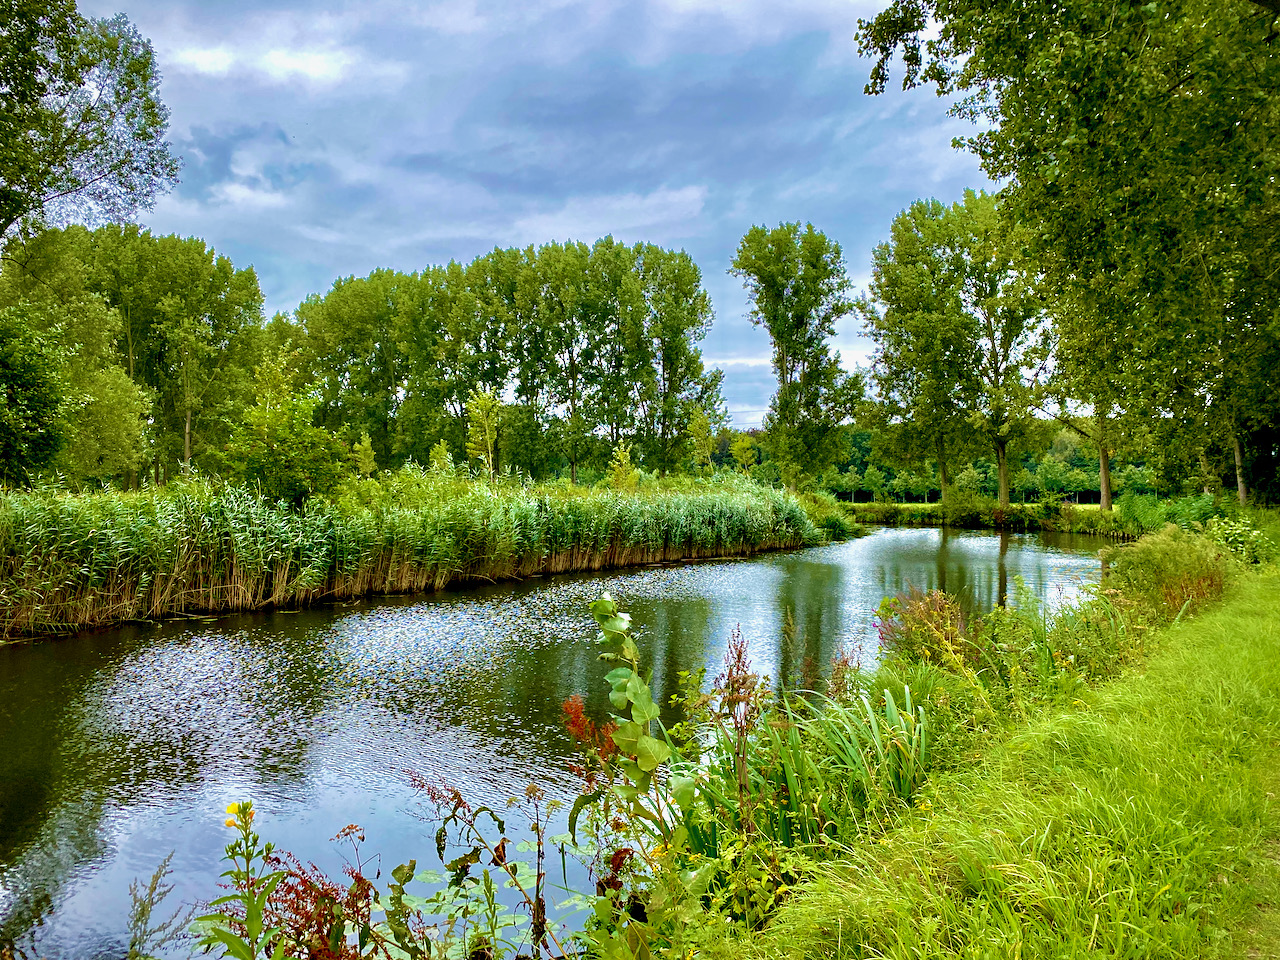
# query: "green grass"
[[1140, 822]]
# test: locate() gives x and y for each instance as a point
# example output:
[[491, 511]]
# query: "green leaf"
[[575, 811], [643, 709], [627, 737], [651, 752], [684, 792]]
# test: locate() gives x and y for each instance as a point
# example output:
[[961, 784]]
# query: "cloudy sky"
[[324, 140]]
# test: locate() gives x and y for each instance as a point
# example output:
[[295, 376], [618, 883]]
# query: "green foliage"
[[623, 477], [31, 419], [240, 929], [484, 415], [1242, 538], [1169, 571], [278, 450], [745, 452], [441, 462], [1149, 277], [798, 288], [958, 332], [363, 458], [830, 515], [68, 562], [1077, 834], [701, 439], [83, 124]]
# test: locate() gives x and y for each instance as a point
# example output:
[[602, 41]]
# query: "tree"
[[30, 417], [798, 289], [674, 385], [1139, 142], [277, 447], [1010, 338], [81, 121], [349, 341], [701, 439], [572, 340], [104, 410], [484, 412], [745, 452], [924, 355]]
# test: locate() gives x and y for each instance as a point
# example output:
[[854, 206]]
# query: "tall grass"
[[71, 562], [1124, 825]]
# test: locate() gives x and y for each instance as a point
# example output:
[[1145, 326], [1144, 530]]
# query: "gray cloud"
[[328, 140]]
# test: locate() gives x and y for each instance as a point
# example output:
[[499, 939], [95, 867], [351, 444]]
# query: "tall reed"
[[68, 562]]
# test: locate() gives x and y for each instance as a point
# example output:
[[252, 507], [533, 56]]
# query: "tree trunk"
[[186, 443], [1002, 468], [1104, 478], [1242, 491], [1104, 465], [944, 471]]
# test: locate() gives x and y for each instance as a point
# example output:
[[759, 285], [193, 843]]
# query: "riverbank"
[[1131, 517], [71, 562], [1133, 822]]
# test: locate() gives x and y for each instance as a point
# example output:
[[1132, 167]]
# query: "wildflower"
[[230, 822], [233, 809]]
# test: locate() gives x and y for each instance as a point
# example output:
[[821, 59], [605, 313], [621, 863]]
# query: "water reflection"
[[124, 745]]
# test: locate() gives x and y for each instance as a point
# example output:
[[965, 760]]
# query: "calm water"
[[119, 747]]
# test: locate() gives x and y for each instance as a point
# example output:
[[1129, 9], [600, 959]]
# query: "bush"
[[1241, 538], [830, 515], [1168, 571]]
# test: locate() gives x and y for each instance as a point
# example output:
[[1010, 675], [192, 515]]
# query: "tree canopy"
[[82, 126], [798, 288]]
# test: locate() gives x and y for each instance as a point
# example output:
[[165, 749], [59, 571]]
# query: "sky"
[[328, 140]]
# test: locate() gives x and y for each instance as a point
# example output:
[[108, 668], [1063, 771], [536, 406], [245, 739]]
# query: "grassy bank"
[[1128, 824], [1132, 516], [68, 562]]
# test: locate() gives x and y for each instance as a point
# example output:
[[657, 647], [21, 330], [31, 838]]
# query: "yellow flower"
[[230, 822], [233, 809]]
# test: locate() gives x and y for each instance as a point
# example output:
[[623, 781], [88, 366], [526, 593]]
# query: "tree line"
[[163, 361]]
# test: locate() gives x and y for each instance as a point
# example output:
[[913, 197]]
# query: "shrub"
[[1168, 571], [916, 626], [1241, 538]]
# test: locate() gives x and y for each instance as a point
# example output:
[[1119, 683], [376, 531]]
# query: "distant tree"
[[350, 347], [874, 481], [674, 385], [30, 416], [798, 288], [81, 121], [277, 446], [104, 410], [745, 452], [623, 476], [958, 331], [363, 458], [702, 440]]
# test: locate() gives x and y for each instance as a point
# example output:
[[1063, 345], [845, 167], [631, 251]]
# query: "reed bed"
[[71, 562]]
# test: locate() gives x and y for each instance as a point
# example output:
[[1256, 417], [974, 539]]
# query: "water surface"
[[121, 746]]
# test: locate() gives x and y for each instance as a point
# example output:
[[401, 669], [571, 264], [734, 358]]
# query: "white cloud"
[[320, 66], [215, 61], [247, 197], [586, 218], [738, 362]]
